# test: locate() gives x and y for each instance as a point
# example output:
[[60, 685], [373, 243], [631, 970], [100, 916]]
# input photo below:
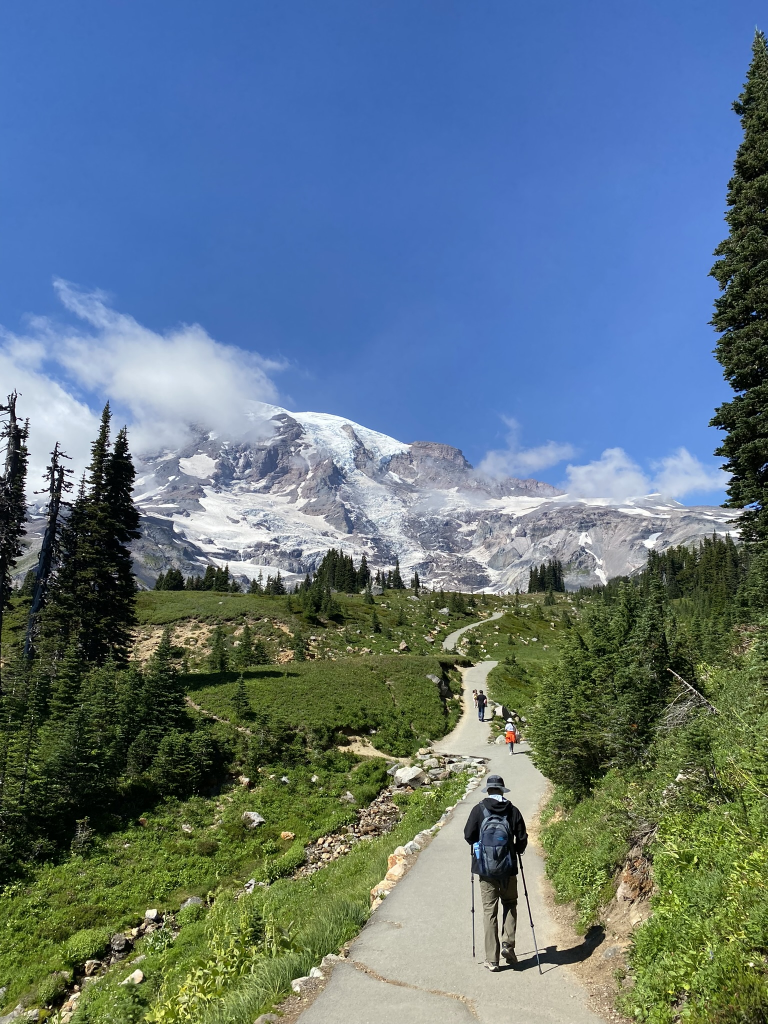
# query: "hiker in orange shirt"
[[511, 736]]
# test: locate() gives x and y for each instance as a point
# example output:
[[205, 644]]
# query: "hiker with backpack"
[[482, 700], [511, 735], [496, 832]]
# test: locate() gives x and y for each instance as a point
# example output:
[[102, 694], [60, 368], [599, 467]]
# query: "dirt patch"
[[363, 747], [191, 634]]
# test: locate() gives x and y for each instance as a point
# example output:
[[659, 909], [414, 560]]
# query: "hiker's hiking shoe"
[[509, 955], [491, 965]]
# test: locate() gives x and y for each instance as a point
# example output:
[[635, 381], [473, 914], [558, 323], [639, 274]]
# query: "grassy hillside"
[[59, 915], [402, 617], [525, 641], [387, 697]]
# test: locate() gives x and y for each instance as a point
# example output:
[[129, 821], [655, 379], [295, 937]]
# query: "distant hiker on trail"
[[496, 832], [474, 697], [482, 700], [510, 736]]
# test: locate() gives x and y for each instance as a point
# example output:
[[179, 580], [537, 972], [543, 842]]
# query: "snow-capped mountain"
[[300, 483]]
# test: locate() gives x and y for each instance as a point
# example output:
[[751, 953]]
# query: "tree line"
[[548, 576]]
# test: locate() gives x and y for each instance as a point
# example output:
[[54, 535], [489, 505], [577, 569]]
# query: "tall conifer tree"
[[741, 311], [13, 504]]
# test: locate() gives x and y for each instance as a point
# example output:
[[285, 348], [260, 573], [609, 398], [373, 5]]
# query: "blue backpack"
[[494, 849]]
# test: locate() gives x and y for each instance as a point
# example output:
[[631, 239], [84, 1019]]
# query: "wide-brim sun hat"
[[495, 782]]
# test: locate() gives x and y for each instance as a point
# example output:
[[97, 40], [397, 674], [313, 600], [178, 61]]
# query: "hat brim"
[[503, 789]]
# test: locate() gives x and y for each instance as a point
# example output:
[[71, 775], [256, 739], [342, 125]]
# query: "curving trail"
[[450, 641], [412, 963]]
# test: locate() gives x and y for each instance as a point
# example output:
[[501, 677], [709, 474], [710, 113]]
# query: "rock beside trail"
[[413, 777], [193, 901]]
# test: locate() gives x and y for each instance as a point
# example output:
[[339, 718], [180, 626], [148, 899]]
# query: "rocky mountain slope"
[[299, 483]]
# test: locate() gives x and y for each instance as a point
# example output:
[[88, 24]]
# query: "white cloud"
[[613, 475], [160, 383], [681, 473], [617, 476], [516, 461]]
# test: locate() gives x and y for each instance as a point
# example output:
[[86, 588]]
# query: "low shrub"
[[87, 944]]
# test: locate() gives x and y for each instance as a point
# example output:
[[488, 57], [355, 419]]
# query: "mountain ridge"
[[295, 484]]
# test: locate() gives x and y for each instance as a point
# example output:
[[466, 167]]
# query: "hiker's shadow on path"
[[555, 957]]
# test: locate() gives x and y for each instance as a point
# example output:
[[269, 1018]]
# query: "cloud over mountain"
[[159, 383]]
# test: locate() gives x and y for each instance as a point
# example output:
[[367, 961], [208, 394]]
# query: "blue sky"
[[483, 223]]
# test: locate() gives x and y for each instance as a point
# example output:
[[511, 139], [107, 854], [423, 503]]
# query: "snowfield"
[[300, 483]]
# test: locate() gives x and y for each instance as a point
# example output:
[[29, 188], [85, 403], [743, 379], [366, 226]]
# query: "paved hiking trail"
[[412, 963]]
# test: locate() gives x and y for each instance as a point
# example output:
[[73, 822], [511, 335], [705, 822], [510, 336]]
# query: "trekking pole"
[[530, 916], [472, 876]]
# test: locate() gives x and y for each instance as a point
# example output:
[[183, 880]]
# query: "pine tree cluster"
[[547, 577], [391, 579], [602, 706], [82, 732]]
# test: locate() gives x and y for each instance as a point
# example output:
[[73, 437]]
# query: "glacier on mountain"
[[276, 498]]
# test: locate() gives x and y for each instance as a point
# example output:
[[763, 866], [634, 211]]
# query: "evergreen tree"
[[244, 653], [375, 624], [363, 574], [209, 579], [278, 585], [241, 705], [160, 581], [260, 653], [415, 583], [741, 311], [396, 580], [368, 597], [27, 588], [221, 579], [299, 647], [163, 703], [56, 477], [65, 682], [13, 502], [95, 591], [218, 658], [173, 580]]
